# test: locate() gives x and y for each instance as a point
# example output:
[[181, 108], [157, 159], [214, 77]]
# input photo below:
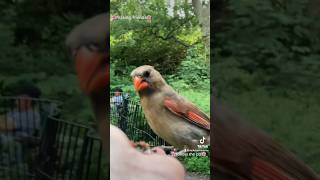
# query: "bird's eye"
[[146, 74]]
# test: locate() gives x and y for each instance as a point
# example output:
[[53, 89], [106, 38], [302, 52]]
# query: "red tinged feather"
[[263, 170], [187, 111]]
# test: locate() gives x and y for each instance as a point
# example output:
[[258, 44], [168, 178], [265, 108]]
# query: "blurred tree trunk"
[[314, 7], [202, 11]]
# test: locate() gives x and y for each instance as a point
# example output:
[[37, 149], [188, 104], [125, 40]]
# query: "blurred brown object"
[[88, 43], [241, 151], [6, 124]]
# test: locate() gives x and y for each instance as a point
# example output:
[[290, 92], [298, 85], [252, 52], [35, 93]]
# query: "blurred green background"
[[173, 43], [32, 46], [266, 67], [266, 58]]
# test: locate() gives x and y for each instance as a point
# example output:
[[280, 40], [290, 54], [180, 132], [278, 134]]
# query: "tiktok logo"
[[202, 140]]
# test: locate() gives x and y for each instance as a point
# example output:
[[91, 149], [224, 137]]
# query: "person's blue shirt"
[[117, 100], [26, 122]]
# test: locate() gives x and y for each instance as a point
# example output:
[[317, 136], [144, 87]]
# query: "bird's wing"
[[187, 111], [261, 169]]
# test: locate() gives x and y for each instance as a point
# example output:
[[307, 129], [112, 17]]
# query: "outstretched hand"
[[128, 163]]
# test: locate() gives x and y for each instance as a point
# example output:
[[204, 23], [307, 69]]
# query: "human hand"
[[128, 163]]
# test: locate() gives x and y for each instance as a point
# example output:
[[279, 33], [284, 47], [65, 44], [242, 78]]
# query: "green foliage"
[[172, 44], [32, 45], [266, 45], [266, 67], [197, 164], [163, 42], [193, 72]]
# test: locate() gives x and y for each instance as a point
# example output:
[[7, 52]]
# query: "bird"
[[171, 116], [240, 150], [88, 45]]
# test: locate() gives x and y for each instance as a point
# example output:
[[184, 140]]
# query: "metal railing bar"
[[89, 158], [60, 153], [99, 160], [68, 148], [74, 153]]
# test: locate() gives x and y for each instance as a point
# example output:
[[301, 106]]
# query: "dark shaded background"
[[266, 61], [266, 67], [32, 46]]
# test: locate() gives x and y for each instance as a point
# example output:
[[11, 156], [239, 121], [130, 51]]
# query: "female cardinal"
[[241, 151], [169, 115], [88, 43]]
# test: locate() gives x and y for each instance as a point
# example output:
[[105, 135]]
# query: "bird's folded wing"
[[187, 111], [263, 170]]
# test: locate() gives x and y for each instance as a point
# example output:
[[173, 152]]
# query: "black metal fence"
[[36, 144], [126, 113], [70, 151], [21, 126]]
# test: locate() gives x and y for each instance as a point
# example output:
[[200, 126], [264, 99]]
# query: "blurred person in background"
[[20, 125], [25, 114], [117, 99], [120, 102]]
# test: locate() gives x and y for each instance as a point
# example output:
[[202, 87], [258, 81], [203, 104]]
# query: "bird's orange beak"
[[139, 84], [92, 69]]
